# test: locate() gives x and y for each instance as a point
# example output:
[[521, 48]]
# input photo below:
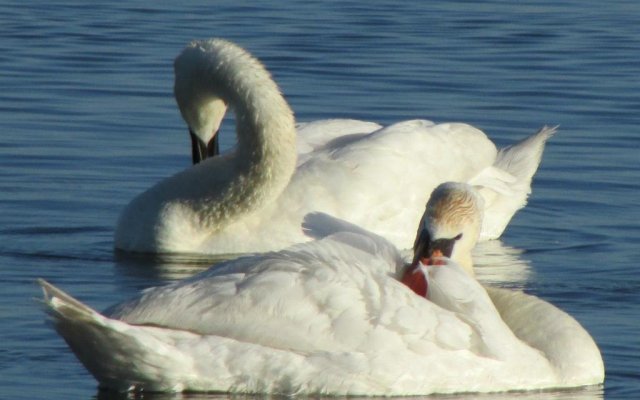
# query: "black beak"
[[424, 248], [200, 151]]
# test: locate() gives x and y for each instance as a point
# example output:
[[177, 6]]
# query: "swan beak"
[[427, 251], [200, 150]]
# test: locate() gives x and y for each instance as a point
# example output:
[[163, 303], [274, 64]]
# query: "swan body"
[[254, 198], [332, 317]]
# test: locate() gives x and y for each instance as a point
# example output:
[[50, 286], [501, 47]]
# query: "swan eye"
[[458, 237]]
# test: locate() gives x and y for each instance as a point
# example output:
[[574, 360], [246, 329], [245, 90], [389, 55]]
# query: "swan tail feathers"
[[506, 185], [61, 305], [120, 356], [522, 158]]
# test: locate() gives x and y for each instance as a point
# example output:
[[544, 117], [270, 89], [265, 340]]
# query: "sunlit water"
[[87, 121]]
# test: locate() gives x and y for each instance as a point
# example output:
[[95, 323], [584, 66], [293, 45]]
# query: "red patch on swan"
[[414, 275], [415, 279]]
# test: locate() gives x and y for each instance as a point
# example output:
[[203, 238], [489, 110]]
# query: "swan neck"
[[466, 262], [265, 157]]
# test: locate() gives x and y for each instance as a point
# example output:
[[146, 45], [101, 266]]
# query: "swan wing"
[[126, 356], [382, 180], [129, 357], [316, 135], [325, 295], [320, 225]]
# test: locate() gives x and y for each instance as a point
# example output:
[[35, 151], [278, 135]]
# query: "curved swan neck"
[[211, 70], [212, 73]]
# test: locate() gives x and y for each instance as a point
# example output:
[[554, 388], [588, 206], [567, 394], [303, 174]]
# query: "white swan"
[[254, 198], [331, 317]]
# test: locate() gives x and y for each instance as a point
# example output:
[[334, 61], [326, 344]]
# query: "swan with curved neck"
[[332, 317], [254, 198], [206, 198]]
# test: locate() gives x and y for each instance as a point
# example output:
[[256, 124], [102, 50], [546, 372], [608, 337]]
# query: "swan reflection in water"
[[498, 264]]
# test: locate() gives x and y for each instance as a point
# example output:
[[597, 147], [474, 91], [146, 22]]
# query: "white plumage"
[[255, 197], [331, 317]]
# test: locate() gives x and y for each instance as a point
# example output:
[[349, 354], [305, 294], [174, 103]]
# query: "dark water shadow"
[[583, 393], [145, 270]]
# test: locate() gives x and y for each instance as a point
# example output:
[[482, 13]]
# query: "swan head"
[[200, 108], [450, 226]]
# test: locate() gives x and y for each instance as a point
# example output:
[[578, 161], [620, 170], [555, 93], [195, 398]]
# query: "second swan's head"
[[451, 224]]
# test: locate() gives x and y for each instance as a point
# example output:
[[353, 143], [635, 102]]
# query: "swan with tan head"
[[333, 317]]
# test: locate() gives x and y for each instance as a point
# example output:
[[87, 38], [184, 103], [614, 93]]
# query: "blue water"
[[87, 121]]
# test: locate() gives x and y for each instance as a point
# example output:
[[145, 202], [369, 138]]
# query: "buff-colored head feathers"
[[454, 210], [454, 205]]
